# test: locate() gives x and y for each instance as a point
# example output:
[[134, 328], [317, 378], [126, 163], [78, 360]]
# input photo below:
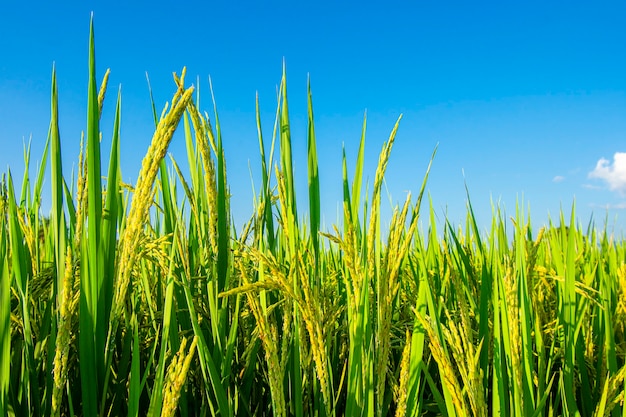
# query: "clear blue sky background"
[[526, 100]]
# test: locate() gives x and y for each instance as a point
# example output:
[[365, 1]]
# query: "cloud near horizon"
[[614, 174]]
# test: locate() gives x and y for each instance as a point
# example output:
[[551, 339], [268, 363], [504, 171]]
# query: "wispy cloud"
[[591, 187], [617, 206], [558, 178], [614, 174]]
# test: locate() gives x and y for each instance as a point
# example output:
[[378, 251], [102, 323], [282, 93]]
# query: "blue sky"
[[527, 101]]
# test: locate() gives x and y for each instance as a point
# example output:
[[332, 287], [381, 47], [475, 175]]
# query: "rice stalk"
[[204, 138], [103, 89], [66, 313], [269, 338], [142, 200], [176, 377], [446, 370], [401, 401]]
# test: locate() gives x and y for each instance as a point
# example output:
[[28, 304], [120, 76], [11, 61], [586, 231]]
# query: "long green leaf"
[[91, 322], [314, 181], [5, 318]]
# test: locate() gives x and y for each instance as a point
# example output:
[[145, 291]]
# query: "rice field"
[[145, 299]]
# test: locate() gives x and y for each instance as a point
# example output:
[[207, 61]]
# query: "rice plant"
[[145, 299]]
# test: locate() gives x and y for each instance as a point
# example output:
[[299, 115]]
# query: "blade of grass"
[[314, 182], [134, 377], [5, 314], [91, 334], [41, 172], [156, 399], [526, 319], [20, 260], [268, 220], [568, 317], [59, 234], [357, 181], [418, 338], [223, 220], [285, 148], [25, 195], [56, 172], [111, 211]]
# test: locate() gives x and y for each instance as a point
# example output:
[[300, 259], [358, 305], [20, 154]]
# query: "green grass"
[[146, 300]]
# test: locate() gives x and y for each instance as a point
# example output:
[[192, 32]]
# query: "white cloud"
[[614, 174], [558, 178]]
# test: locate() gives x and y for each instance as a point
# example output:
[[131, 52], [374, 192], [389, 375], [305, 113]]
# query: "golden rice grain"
[[142, 200]]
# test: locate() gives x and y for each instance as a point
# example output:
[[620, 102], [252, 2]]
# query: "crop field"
[[145, 299]]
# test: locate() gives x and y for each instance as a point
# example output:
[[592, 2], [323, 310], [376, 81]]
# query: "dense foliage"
[[145, 299]]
